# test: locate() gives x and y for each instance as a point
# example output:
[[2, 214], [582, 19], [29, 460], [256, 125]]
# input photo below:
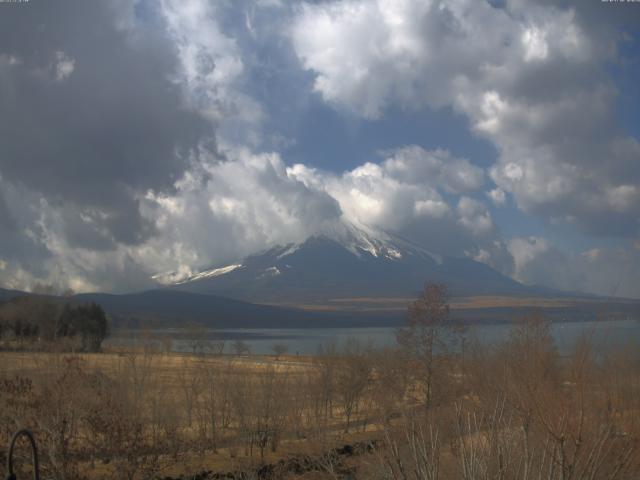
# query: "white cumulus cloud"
[[603, 271], [527, 76]]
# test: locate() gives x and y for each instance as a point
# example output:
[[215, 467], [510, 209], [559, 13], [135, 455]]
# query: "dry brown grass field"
[[163, 398], [377, 304], [421, 411]]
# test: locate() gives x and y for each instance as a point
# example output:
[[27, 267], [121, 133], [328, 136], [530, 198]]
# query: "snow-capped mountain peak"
[[363, 243], [360, 239]]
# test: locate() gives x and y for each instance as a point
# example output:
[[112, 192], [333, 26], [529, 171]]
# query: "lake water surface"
[[606, 334]]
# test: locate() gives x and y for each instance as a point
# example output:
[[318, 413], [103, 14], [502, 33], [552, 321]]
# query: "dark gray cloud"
[[90, 117], [598, 15], [6, 219]]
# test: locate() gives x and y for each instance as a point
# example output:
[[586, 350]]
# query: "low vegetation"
[[438, 406]]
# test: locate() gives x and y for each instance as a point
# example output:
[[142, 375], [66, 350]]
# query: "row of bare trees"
[[515, 410]]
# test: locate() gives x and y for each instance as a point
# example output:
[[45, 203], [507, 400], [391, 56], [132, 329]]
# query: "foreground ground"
[[511, 411], [178, 379]]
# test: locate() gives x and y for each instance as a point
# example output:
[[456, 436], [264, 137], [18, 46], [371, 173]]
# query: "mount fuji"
[[345, 276], [347, 262]]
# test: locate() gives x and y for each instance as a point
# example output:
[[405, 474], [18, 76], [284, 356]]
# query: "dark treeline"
[[41, 321]]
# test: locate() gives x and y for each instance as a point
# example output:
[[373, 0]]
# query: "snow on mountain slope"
[[181, 277], [342, 262], [216, 272], [360, 241]]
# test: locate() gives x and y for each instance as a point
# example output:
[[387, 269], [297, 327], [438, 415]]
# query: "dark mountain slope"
[[322, 269]]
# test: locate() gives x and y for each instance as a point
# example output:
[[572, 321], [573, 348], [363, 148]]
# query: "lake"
[[606, 334]]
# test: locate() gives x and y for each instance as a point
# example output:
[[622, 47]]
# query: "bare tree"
[[413, 453], [190, 382], [214, 408], [197, 339], [324, 391], [353, 375], [241, 348], [427, 336], [270, 409], [392, 381], [279, 349]]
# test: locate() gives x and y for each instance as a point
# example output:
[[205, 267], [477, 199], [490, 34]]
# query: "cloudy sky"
[[148, 136]]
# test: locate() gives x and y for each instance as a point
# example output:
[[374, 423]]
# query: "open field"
[[177, 401], [480, 413], [165, 365], [481, 302]]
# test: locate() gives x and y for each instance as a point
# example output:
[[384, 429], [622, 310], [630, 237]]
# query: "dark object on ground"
[[34, 452], [298, 465]]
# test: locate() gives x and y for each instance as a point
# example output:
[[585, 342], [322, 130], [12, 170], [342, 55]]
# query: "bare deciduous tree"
[[241, 348], [353, 375], [426, 338], [279, 349]]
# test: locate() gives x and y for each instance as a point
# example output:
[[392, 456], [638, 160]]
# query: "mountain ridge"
[[349, 263]]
